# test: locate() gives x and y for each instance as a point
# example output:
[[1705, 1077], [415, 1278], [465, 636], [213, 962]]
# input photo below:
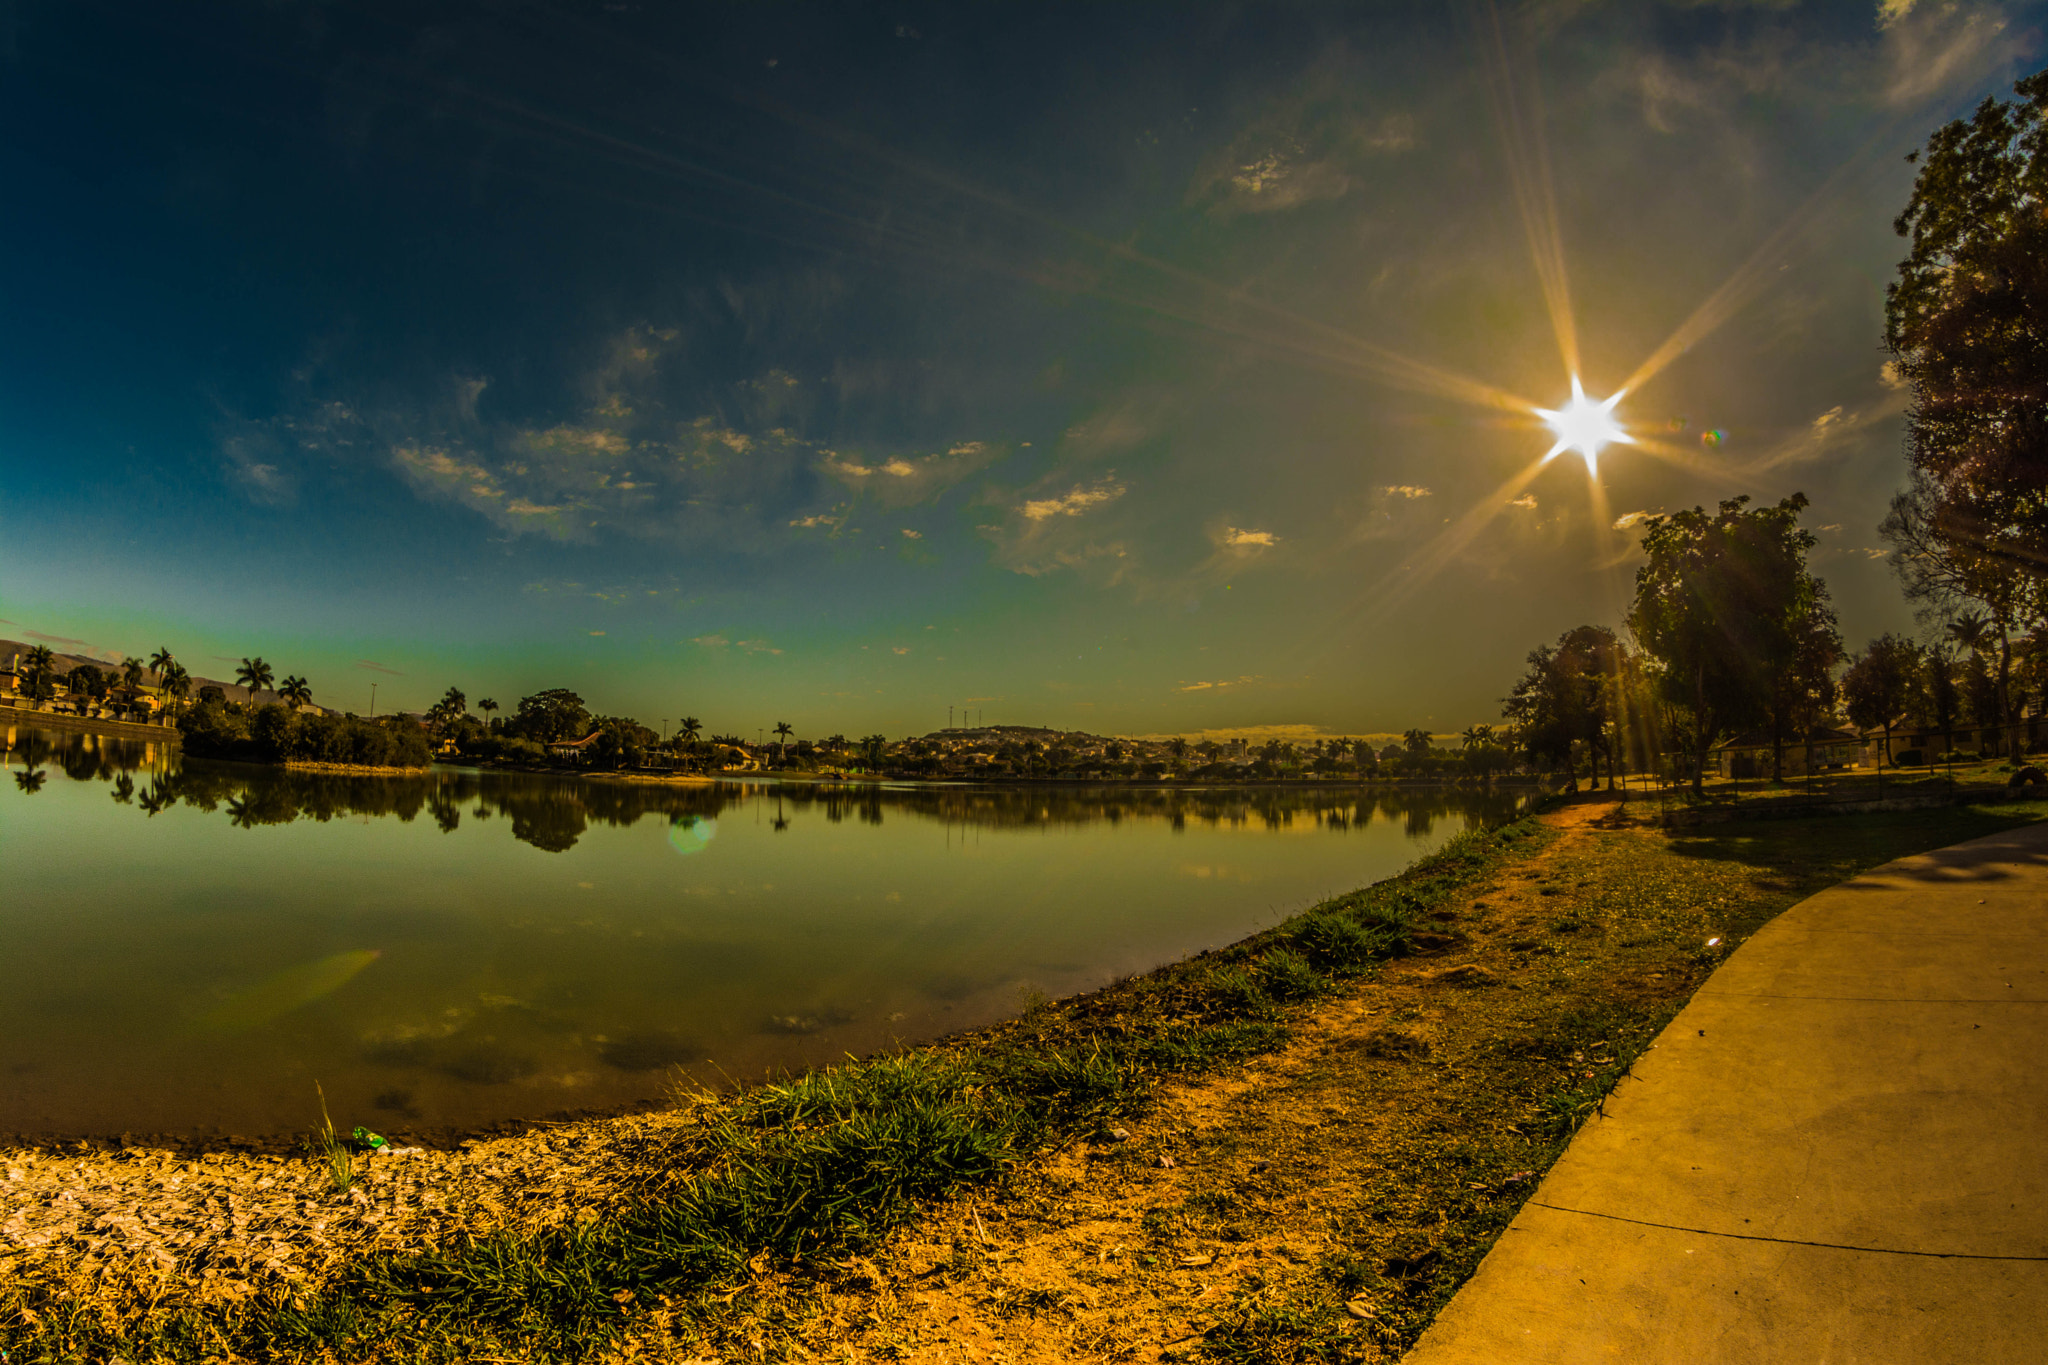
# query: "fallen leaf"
[[1190, 1262], [1361, 1309]]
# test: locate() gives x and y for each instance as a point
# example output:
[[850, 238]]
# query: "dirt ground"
[[1321, 1202]]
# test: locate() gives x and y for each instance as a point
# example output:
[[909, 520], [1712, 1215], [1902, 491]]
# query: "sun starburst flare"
[[1585, 425]]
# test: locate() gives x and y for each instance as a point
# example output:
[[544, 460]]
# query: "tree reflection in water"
[[552, 813]]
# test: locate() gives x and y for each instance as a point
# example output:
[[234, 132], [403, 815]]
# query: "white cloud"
[[1628, 519], [1074, 502], [1405, 490], [1232, 536], [1527, 502], [710, 641], [909, 534]]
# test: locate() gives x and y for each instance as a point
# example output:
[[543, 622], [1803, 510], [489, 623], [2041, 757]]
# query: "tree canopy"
[[1967, 320], [1724, 605]]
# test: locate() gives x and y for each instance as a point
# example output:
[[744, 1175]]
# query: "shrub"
[[1909, 758]]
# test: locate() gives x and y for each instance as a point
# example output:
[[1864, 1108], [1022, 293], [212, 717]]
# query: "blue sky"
[[1119, 367]]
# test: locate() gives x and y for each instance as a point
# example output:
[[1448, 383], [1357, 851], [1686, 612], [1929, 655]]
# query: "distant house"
[[578, 749], [1749, 755]]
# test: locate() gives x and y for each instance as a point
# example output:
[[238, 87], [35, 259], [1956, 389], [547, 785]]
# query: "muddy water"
[[190, 946]]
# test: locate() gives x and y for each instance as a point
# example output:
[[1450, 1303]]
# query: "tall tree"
[[1801, 693], [782, 734], [1880, 683], [36, 667], [161, 660], [295, 692], [255, 675], [1967, 323], [1720, 605], [546, 717], [1981, 601], [132, 670]]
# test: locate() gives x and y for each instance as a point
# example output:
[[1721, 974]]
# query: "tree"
[[1722, 605], [1417, 743], [1568, 702], [782, 734], [487, 706], [1801, 693], [1938, 685], [1980, 601], [294, 692], [546, 717], [446, 712], [132, 671], [1967, 320], [161, 661], [689, 727], [38, 664], [255, 675], [1880, 683], [873, 750], [174, 681]]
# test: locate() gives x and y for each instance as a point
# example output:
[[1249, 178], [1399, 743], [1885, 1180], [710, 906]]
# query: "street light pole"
[[373, 701]]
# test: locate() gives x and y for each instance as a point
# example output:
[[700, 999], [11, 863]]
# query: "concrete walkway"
[[1837, 1153]]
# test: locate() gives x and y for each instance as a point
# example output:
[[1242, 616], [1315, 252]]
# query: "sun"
[[1584, 425]]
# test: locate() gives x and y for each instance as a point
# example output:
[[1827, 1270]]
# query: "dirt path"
[[1322, 1201]]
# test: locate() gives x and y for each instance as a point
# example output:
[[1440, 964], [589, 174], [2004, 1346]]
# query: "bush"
[[277, 735], [1909, 758]]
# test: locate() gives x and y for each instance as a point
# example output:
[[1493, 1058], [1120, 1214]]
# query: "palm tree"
[[294, 692], [782, 734], [132, 671], [689, 728], [487, 706], [176, 682], [36, 667], [255, 675], [161, 660]]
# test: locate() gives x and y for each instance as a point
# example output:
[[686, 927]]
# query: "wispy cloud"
[[1074, 502], [1236, 538], [1405, 490], [370, 665], [1219, 684]]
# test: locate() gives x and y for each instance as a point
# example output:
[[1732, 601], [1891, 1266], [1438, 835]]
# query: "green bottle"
[[365, 1138]]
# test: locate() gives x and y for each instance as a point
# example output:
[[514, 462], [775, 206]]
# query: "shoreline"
[[118, 729]]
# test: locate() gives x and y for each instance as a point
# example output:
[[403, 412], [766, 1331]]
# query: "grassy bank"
[[1295, 1148]]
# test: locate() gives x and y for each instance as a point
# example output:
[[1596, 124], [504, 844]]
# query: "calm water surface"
[[190, 946]]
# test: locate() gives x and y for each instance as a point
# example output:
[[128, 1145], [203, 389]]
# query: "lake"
[[191, 946]]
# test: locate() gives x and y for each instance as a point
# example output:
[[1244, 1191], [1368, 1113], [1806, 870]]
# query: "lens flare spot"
[[1713, 438], [688, 834]]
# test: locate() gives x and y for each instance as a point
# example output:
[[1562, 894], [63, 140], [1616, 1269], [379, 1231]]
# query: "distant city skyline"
[[1134, 370]]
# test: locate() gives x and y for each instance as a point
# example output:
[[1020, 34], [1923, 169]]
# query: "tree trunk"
[[1699, 726]]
